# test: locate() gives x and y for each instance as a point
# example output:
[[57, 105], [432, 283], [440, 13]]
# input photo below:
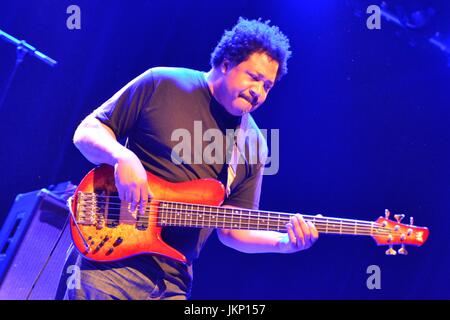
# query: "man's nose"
[[256, 91]]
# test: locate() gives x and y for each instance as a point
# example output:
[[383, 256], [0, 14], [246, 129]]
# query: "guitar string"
[[344, 222], [233, 216], [213, 207], [226, 210], [270, 225], [352, 223], [209, 206], [279, 228]]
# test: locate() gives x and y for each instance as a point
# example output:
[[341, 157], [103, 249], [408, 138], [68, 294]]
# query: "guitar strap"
[[236, 155], [232, 168]]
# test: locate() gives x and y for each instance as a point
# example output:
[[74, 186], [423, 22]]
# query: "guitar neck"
[[201, 216]]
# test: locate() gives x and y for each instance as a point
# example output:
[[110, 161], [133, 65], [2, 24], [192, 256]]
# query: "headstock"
[[389, 232]]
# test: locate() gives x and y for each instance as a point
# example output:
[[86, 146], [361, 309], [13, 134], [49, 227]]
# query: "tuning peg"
[[390, 251], [411, 221], [402, 250], [399, 217], [387, 213]]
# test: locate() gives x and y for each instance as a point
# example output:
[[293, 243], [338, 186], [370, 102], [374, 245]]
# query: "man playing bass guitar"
[[245, 65]]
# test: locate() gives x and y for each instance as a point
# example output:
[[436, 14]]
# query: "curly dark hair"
[[250, 36]]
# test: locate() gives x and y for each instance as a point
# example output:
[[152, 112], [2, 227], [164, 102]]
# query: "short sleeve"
[[121, 111], [253, 145], [247, 194]]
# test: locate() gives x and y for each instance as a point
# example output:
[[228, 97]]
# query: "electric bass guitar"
[[103, 228]]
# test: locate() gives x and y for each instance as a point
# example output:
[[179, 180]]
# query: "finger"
[[298, 231], [134, 199], [316, 235], [121, 194], [149, 192], [305, 229], [126, 197], [144, 199], [291, 233], [314, 232]]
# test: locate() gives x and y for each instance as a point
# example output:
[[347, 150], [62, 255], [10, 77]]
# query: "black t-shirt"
[[153, 111]]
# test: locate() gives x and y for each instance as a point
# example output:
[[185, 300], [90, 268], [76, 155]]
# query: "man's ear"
[[225, 66]]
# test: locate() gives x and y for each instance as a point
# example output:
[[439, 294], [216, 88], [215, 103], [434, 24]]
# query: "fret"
[[356, 223], [340, 227], [235, 225], [185, 212], [183, 208], [227, 217], [189, 215], [218, 219], [160, 215], [202, 222], [196, 220], [279, 222], [257, 225], [169, 215], [212, 216], [180, 213], [268, 220], [166, 214], [232, 216], [371, 228], [206, 215], [326, 226], [175, 214], [249, 215], [240, 220]]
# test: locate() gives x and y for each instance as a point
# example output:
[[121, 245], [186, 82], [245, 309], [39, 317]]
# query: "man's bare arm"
[[98, 143], [300, 236]]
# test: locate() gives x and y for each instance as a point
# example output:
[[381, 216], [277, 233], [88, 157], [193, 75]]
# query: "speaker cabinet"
[[33, 245]]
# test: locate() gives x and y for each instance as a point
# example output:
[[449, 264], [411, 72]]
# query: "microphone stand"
[[22, 48]]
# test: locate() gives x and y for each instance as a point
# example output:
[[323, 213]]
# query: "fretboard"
[[201, 216]]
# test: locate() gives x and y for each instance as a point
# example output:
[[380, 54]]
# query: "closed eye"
[[267, 84], [253, 76]]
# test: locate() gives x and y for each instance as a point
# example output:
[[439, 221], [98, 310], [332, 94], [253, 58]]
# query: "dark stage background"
[[364, 119]]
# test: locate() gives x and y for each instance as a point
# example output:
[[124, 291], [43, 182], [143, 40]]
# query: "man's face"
[[245, 86]]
